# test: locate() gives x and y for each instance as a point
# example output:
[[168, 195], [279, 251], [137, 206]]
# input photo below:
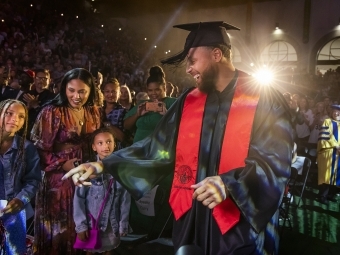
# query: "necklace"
[[79, 114], [76, 110]]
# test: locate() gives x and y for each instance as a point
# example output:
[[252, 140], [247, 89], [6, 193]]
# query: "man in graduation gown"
[[328, 157], [228, 145]]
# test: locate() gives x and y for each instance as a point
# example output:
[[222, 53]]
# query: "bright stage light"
[[264, 76]]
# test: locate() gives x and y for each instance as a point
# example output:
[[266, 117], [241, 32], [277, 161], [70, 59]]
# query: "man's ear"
[[217, 54]]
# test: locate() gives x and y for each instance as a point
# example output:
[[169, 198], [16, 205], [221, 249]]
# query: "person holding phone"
[[146, 115]]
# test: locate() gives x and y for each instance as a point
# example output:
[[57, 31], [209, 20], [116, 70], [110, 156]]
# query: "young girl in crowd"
[[113, 221], [20, 176]]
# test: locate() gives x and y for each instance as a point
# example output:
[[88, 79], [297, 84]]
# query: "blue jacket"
[[88, 199], [24, 183]]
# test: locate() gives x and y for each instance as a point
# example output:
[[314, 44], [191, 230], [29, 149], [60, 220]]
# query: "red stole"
[[235, 146]]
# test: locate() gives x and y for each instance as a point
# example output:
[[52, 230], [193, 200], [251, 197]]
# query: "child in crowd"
[[113, 221], [20, 176]]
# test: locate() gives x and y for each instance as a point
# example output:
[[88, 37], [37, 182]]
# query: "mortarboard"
[[202, 34], [336, 107]]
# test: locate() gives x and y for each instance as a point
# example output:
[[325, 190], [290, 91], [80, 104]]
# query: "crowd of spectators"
[[37, 48], [34, 39]]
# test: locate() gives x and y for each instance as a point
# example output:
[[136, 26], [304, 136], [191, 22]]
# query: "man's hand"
[[211, 191], [32, 101], [83, 236], [82, 172], [14, 206]]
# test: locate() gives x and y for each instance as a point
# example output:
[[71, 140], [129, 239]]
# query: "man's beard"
[[208, 80]]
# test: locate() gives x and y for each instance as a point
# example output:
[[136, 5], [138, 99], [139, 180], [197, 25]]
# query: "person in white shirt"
[[303, 130]]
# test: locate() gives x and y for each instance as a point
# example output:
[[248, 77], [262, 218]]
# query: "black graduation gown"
[[257, 189]]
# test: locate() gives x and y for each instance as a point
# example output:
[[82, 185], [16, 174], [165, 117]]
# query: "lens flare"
[[264, 76]]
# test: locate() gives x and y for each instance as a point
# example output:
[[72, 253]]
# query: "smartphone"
[[76, 163], [154, 106], [3, 204]]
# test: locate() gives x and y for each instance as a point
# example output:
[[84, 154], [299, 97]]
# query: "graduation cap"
[[202, 34], [336, 107]]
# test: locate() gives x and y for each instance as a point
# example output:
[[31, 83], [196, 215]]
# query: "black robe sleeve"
[[257, 189], [145, 163]]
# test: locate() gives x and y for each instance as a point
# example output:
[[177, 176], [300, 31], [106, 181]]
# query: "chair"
[[155, 224], [303, 178], [310, 151], [159, 239], [287, 199]]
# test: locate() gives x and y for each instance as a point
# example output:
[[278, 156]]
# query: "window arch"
[[279, 52], [329, 56]]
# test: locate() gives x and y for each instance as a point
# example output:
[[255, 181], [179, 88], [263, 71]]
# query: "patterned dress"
[[54, 226]]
